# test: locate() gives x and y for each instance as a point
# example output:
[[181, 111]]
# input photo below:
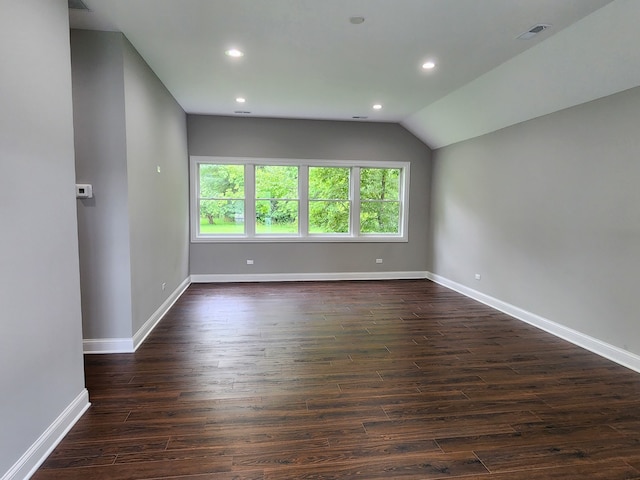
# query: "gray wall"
[[306, 139], [134, 233], [547, 211], [101, 160], [41, 367], [158, 202]]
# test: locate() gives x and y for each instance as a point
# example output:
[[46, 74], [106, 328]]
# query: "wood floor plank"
[[108, 448], [350, 380], [560, 453], [611, 470], [440, 427], [406, 467], [545, 434], [140, 470]]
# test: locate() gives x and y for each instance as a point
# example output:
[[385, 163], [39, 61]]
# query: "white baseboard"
[[27, 465], [107, 345], [606, 350], [150, 324], [304, 277], [130, 345]]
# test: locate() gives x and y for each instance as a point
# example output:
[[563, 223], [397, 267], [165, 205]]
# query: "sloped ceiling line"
[[305, 59]]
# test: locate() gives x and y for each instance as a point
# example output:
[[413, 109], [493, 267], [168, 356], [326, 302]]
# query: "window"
[[221, 199], [298, 200], [277, 203], [380, 200], [329, 202]]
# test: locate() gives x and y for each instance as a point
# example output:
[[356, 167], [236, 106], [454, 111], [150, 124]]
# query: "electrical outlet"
[[249, 262], [164, 285], [378, 260], [478, 276]]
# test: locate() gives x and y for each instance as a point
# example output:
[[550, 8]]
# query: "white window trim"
[[303, 185]]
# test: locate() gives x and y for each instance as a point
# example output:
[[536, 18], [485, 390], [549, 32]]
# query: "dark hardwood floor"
[[350, 380]]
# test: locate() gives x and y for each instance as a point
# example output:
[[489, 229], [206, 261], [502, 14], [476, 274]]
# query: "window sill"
[[301, 239]]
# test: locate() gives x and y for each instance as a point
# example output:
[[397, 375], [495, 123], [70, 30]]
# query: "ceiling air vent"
[[77, 5], [533, 31]]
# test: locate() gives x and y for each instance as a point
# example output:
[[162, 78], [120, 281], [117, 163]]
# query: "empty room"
[[320, 239]]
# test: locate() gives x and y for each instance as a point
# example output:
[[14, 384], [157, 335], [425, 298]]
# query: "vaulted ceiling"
[[336, 59]]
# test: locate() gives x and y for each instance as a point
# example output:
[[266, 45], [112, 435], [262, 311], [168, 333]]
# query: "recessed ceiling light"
[[533, 31], [377, 106], [429, 65], [241, 99], [234, 52]]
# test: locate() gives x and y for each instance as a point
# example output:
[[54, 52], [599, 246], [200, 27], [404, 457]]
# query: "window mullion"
[[303, 200], [355, 201], [250, 200]]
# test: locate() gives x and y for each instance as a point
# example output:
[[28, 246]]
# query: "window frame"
[[256, 199], [199, 198], [303, 235], [349, 200]]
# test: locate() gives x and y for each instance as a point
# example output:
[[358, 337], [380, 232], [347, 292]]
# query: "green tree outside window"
[[379, 200], [329, 204], [277, 202]]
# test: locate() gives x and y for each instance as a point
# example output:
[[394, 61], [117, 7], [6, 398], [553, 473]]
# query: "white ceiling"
[[304, 59]]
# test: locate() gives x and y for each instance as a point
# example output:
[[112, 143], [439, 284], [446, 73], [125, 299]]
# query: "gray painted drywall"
[[41, 366], [101, 160], [134, 232], [307, 139], [547, 211], [158, 202]]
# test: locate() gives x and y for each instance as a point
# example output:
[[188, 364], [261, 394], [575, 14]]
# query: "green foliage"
[[221, 192], [329, 183], [328, 216], [379, 195], [329, 199], [269, 212], [379, 217], [220, 226], [276, 181], [221, 181], [222, 199], [276, 195], [379, 183]]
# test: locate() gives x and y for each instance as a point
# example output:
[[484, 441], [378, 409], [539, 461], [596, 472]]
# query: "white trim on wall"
[[107, 345], [150, 324], [130, 345], [606, 350], [306, 277], [37, 453]]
